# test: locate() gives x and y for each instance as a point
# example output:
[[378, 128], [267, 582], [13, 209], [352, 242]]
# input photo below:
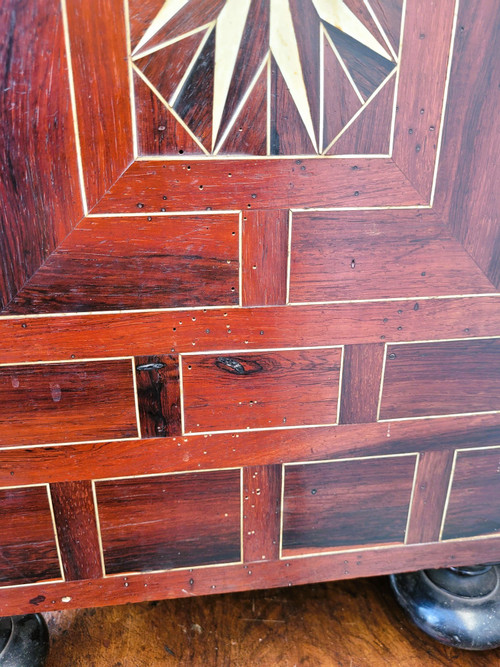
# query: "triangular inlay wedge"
[[195, 14], [158, 131], [340, 99], [389, 14], [370, 132], [253, 49], [195, 101], [166, 67], [367, 68], [359, 8], [248, 134], [141, 13], [289, 135]]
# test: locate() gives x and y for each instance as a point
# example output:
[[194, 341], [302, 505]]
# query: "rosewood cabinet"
[[250, 330]]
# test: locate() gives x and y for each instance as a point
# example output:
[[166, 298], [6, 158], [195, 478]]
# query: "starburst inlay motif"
[[234, 47]]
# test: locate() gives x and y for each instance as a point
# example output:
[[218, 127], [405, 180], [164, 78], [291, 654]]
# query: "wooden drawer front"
[[273, 388], [170, 521], [452, 377], [375, 254], [336, 504], [67, 402], [474, 496], [28, 549], [153, 261]]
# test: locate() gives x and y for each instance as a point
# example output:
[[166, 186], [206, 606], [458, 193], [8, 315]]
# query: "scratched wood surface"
[[341, 623], [250, 256], [66, 402]]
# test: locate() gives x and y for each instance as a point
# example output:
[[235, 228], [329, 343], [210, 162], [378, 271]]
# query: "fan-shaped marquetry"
[[166, 67], [141, 13], [253, 50], [389, 14], [341, 101], [370, 132], [248, 133], [308, 34], [360, 9], [195, 101], [191, 16], [367, 68], [289, 135], [158, 131]]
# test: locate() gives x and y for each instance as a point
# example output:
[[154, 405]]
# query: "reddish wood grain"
[[264, 261], [74, 513], [467, 190], [66, 402], [159, 395], [370, 132], [268, 389], [361, 377], [155, 456], [159, 523], [261, 513], [128, 334], [154, 262], [389, 14], [100, 71], [346, 503], [431, 487], [28, 551], [441, 378], [377, 254], [284, 183], [341, 101], [422, 78], [266, 574], [158, 131], [39, 188], [474, 503]]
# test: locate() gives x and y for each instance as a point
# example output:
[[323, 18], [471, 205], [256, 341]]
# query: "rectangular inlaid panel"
[[474, 500], [261, 512], [170, 521], [139, 262], [345, 255], [361, 375], [239, 390], [158, 393], [346, 503], [67, 402], [74, 513], [451, 377], [28, 550]]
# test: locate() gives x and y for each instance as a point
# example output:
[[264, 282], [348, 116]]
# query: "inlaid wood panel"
[[28, 549], [264, 261], [239, 390], [441, 378], [67, 402], [474, 497], [141, 262], [129, 334], [159, 395], [261, 512], [346, 503], [377, 254], [99, 71], [74, 514], [361, 375], [165, 522], [40, 189]]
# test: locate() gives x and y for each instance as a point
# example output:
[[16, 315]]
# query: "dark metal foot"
[[459, 606], [24, 641]]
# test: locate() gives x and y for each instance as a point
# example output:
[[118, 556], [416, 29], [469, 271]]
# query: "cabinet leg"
[[459, 606], [24, 641]]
